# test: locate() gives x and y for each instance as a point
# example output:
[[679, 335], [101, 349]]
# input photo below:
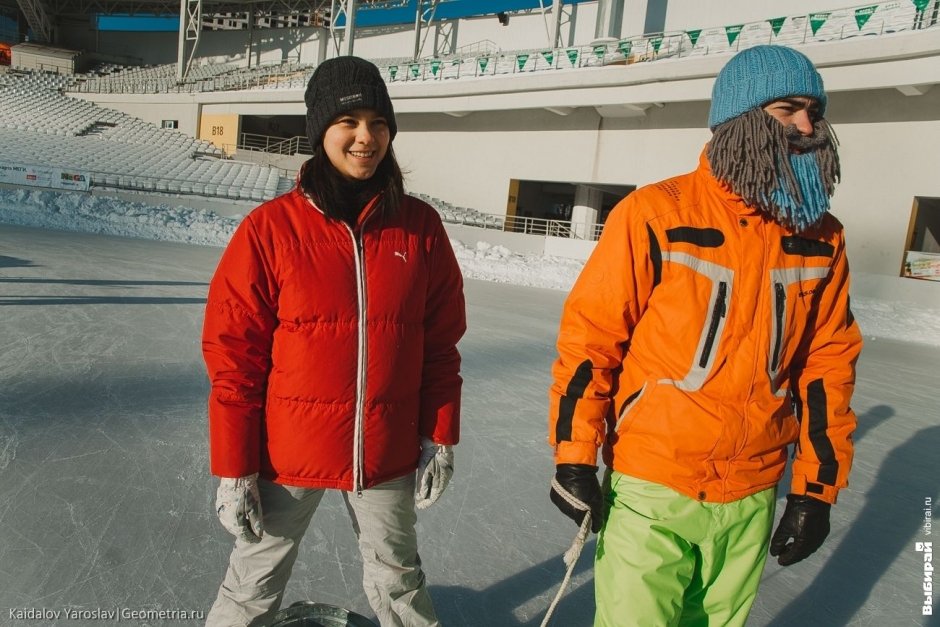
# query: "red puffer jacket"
[[331, 350]]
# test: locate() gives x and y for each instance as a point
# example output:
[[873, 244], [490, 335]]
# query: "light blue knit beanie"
[[759, 75]]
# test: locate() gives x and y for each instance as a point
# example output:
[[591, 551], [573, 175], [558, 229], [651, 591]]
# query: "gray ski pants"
[[384, 521]]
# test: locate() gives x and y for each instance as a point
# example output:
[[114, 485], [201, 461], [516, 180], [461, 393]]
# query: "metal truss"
[[190, 28], [445, 38], [38, 19], [424, 19], [85, 8]]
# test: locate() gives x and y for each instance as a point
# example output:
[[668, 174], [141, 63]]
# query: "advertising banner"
[[34, 176], [66, 179]]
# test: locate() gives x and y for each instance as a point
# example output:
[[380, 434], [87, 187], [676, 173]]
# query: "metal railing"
[[835, 25], [484, 46], [525, 225], [473, 60], [177, 186], [275, 76], [274, 145]]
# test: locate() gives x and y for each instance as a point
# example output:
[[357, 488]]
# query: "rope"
[[574, 551]]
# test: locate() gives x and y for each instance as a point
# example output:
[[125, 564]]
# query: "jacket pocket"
[[629, 409], [714, 324], [702, 293], [792, 297]]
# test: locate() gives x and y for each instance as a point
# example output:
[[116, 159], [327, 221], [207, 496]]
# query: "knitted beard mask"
[[753, 155]]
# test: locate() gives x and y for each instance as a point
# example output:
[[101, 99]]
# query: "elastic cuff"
[[576, 453], [825, 493]]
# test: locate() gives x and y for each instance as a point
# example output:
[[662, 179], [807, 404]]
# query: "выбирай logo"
[[927, 549]]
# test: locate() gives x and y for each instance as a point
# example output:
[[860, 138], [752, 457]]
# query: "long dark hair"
[[322, 182]]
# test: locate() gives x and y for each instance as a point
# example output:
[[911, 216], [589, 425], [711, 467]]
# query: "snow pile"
[[71, 211], [883, 319], [496, 263], [83, 212]]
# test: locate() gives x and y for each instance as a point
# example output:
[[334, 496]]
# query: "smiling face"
[[356, 142]]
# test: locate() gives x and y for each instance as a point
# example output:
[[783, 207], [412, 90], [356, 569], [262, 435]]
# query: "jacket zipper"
[[361, 361], [780, 306], [359, 419], [718, 312]]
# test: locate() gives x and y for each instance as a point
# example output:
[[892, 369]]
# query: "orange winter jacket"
[[331, 350], [701, 339]]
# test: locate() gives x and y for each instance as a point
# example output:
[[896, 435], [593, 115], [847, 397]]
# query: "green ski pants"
[[664, 559]]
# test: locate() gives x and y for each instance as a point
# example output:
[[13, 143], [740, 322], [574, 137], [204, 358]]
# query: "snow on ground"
[[480, 260], [106, 501]]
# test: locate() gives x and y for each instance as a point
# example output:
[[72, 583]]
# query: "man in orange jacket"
[[710, 330]]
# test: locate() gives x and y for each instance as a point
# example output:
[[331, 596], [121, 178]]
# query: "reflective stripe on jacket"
[[331, 351], [701, 339]]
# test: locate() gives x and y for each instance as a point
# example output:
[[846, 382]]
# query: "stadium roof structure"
[[43, 15], [85, 8]]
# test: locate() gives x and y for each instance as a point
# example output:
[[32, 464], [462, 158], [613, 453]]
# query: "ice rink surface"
[[106, 503]]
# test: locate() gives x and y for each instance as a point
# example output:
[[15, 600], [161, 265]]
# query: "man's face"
[[799, 115]]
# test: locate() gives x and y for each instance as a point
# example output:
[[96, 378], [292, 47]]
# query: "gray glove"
[[238, 506], [435, 468]]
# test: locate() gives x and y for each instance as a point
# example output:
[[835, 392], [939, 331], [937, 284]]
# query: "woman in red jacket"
[[330, 341]]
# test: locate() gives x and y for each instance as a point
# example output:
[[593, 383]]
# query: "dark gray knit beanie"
[[342, 84]]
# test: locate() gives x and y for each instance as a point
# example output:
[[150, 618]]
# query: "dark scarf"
[[353, 197]]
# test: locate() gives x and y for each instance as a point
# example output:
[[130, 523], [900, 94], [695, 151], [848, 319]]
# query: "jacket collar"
[[364, 215], [720, 190]]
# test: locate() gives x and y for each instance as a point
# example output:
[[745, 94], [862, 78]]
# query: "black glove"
[[806, 521], [580, 480]]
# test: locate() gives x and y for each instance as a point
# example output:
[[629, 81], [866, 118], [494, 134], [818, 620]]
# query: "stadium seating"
[[40, 127]]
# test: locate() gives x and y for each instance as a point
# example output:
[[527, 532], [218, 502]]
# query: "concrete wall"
[[890, 148], [516, 242], [890, 145], [522, 243], [893, 289], [633, 125], [902, 291], [469, 161], [185, 108]]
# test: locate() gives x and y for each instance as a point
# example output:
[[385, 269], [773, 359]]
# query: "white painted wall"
[[886, 161], [469, 161], [154, 109], [890, 149], [890, 142]]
